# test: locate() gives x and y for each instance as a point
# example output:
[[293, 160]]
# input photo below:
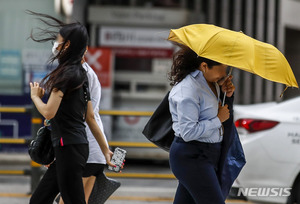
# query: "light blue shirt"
[[194, 109]]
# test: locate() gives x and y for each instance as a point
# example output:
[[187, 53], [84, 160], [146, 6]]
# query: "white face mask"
[[54, 48]]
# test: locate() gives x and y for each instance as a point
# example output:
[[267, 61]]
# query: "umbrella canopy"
[[236, 49]]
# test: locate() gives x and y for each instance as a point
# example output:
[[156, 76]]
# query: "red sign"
[[100, 59]]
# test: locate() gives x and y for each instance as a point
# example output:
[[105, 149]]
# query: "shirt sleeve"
[[188, 110], [95, 90], [63, 89]]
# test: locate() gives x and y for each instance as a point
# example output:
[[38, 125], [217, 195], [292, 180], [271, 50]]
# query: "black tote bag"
[[103, 188], [159, 127]]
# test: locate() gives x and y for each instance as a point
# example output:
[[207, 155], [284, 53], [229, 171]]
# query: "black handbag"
[[158, 129], [103, 188], [40, 148]]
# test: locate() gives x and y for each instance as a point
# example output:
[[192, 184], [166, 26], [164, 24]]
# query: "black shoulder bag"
[[40, 148], [158, 129]]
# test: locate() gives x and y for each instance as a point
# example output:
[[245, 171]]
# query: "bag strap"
[[86, 98]]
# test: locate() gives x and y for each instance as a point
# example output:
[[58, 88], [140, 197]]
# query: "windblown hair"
[[69, 74], [186, 61]]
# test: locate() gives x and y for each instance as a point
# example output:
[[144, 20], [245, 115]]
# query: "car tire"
[[294, 198]]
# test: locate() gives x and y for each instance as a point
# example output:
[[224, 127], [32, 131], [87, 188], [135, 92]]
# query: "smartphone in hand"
[[117, 159]]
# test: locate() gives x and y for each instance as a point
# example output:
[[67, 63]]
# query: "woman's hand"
[[108, 156], [223, 113], [227, 86], [36, 90]]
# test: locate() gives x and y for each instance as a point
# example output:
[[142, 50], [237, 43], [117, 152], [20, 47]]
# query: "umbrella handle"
[[224, 97], [223, 103]]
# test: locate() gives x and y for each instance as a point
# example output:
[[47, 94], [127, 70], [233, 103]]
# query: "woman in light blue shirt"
[[197, 122]]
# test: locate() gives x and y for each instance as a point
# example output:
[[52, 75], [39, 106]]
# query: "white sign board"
[[133, 37]]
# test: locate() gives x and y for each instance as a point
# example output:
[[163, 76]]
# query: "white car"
[[270, 135]]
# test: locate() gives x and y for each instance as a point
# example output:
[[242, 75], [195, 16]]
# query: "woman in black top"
[[68, 107]]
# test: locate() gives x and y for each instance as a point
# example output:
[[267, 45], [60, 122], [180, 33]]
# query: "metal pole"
[[36, 121], [79, 11]]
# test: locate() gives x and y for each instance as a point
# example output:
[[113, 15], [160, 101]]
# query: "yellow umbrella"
[[236, 49]]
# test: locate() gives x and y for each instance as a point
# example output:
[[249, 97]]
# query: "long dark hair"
[[69, 75], [186, 61]]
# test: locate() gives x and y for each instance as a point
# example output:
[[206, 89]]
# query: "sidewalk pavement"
[[14, 189]]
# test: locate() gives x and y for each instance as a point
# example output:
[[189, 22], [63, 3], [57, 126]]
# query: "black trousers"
[[195, 164], [64, 175]]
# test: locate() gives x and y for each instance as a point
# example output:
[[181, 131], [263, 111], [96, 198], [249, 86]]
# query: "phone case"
[[117, 159]]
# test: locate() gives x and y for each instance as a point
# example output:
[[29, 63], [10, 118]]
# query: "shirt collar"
[[198, 75], [195, 73]]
